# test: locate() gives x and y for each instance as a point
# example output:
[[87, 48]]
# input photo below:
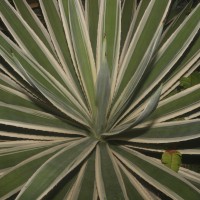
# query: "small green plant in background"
[[193, 79], [172, 159], [85, 104]]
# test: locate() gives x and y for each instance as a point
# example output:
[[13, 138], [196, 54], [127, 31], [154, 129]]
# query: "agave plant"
[[86, 104]]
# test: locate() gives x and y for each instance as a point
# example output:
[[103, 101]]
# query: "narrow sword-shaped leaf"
[[187, 31], [33, 119], [109, 27], [128, 12], [19, 174], [194, 151], [29, 145], [20, 102], [18, 83], [30, 42], [141, 7], [151, 172], [74, 192], [156, 149], [175, 81], [14, 97], [135, 63], [88, 180], [83, 50], [175, 131], [18, 98], [60, 165], [38, 77], [63, 188], [193, 116], [55, 27], [92, 18], [8, 82], [64, 14], [8, 144], [136, 79], [104, 169], [133, 57], [150, 107], [10, 159], [31, 18], [7, 189], [189, 61], [171, 51], [177, 105], [133, 186], [192, 176], [5, 47], [33, 135], [8, 94], [176, 22]]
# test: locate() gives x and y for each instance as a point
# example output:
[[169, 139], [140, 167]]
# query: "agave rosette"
[[85, 100]]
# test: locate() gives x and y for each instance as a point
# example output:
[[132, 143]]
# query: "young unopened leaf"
[[103, 89]]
